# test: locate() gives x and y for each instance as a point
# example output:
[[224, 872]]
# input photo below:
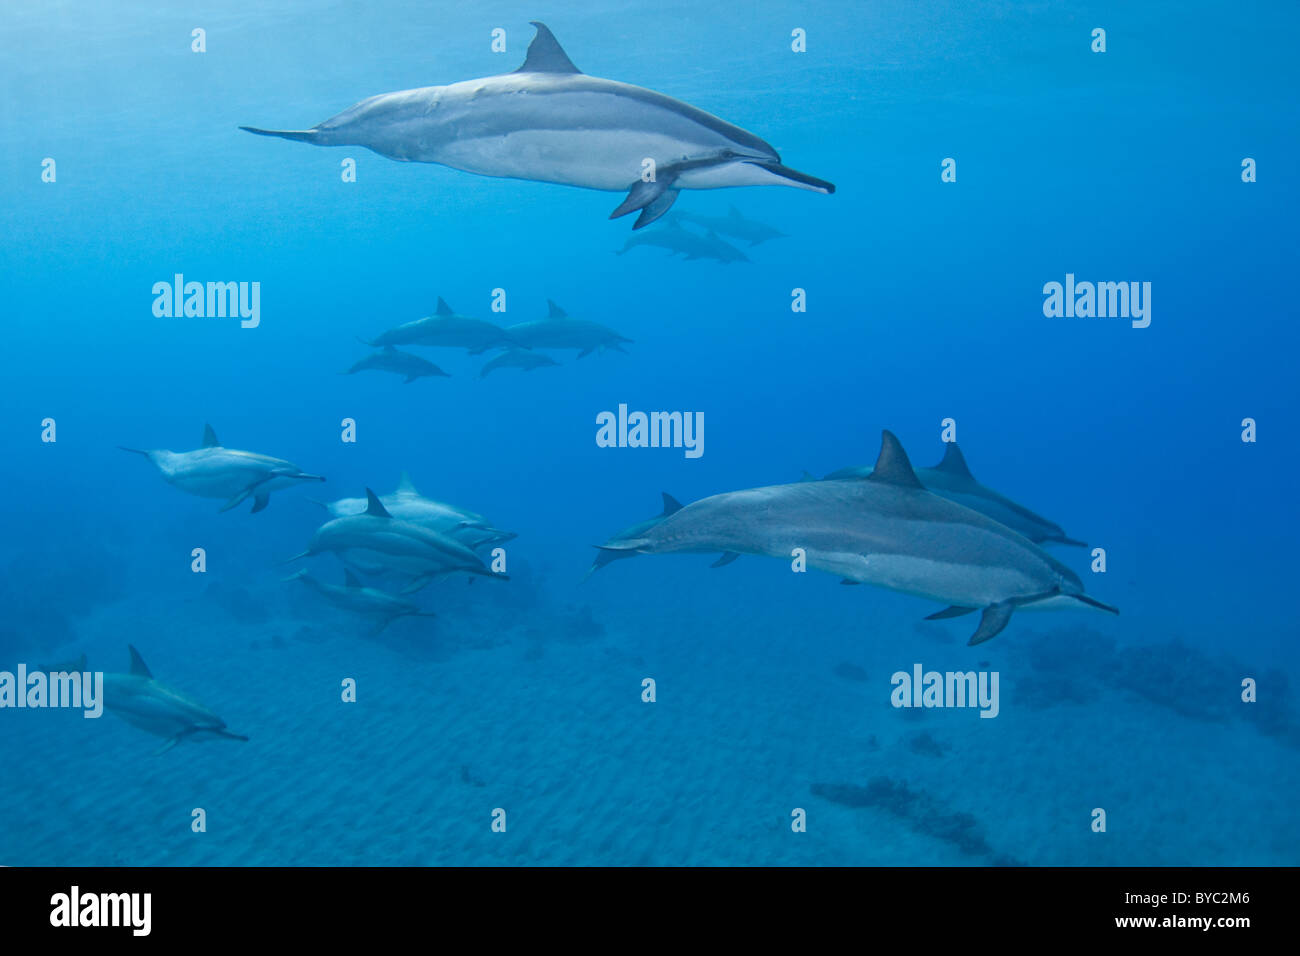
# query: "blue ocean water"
[[924, 303]]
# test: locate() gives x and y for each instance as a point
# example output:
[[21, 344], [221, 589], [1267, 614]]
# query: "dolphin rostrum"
[[550, 122], [604, 557], [354, 596], [399, 545], [215, 472], [445, 328], [154, 707], [389, 359], [952, 479], [559, 331], [885, 530]]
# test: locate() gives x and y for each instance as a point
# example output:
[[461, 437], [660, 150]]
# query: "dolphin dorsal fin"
[[375, 507], [210, 438], [404, 486], [443, 307], [350, 579], [671, 504], [555, 312], [954, 462], [892, 467], [138, 666], [545, 54]]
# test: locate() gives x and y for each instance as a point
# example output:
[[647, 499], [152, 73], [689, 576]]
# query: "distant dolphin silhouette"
[[549, 122]]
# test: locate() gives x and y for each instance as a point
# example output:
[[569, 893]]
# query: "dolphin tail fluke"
[[299, 135], [992, 621]]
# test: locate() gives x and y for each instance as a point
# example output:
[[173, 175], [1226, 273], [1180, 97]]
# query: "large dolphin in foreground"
[[885, 530], [952, 479], [549, 122], [154, 707], [215, 472]]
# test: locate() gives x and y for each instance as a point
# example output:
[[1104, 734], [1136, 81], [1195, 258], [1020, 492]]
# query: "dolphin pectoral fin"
[[847, 581], [418, 583], [992, 621], [380, 626], [260, 501], [171, 742], [585, 352], [235, 500], [955, 611], [654, 210], [134, 451], [654, 196], [726, 558]]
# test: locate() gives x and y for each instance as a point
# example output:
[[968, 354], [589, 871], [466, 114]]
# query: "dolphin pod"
[[144, 702], [212, 471], [396, 544], [550, 122], [952, 479], [887, 530]]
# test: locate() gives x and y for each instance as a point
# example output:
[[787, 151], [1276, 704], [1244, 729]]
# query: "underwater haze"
[[660, 711]]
